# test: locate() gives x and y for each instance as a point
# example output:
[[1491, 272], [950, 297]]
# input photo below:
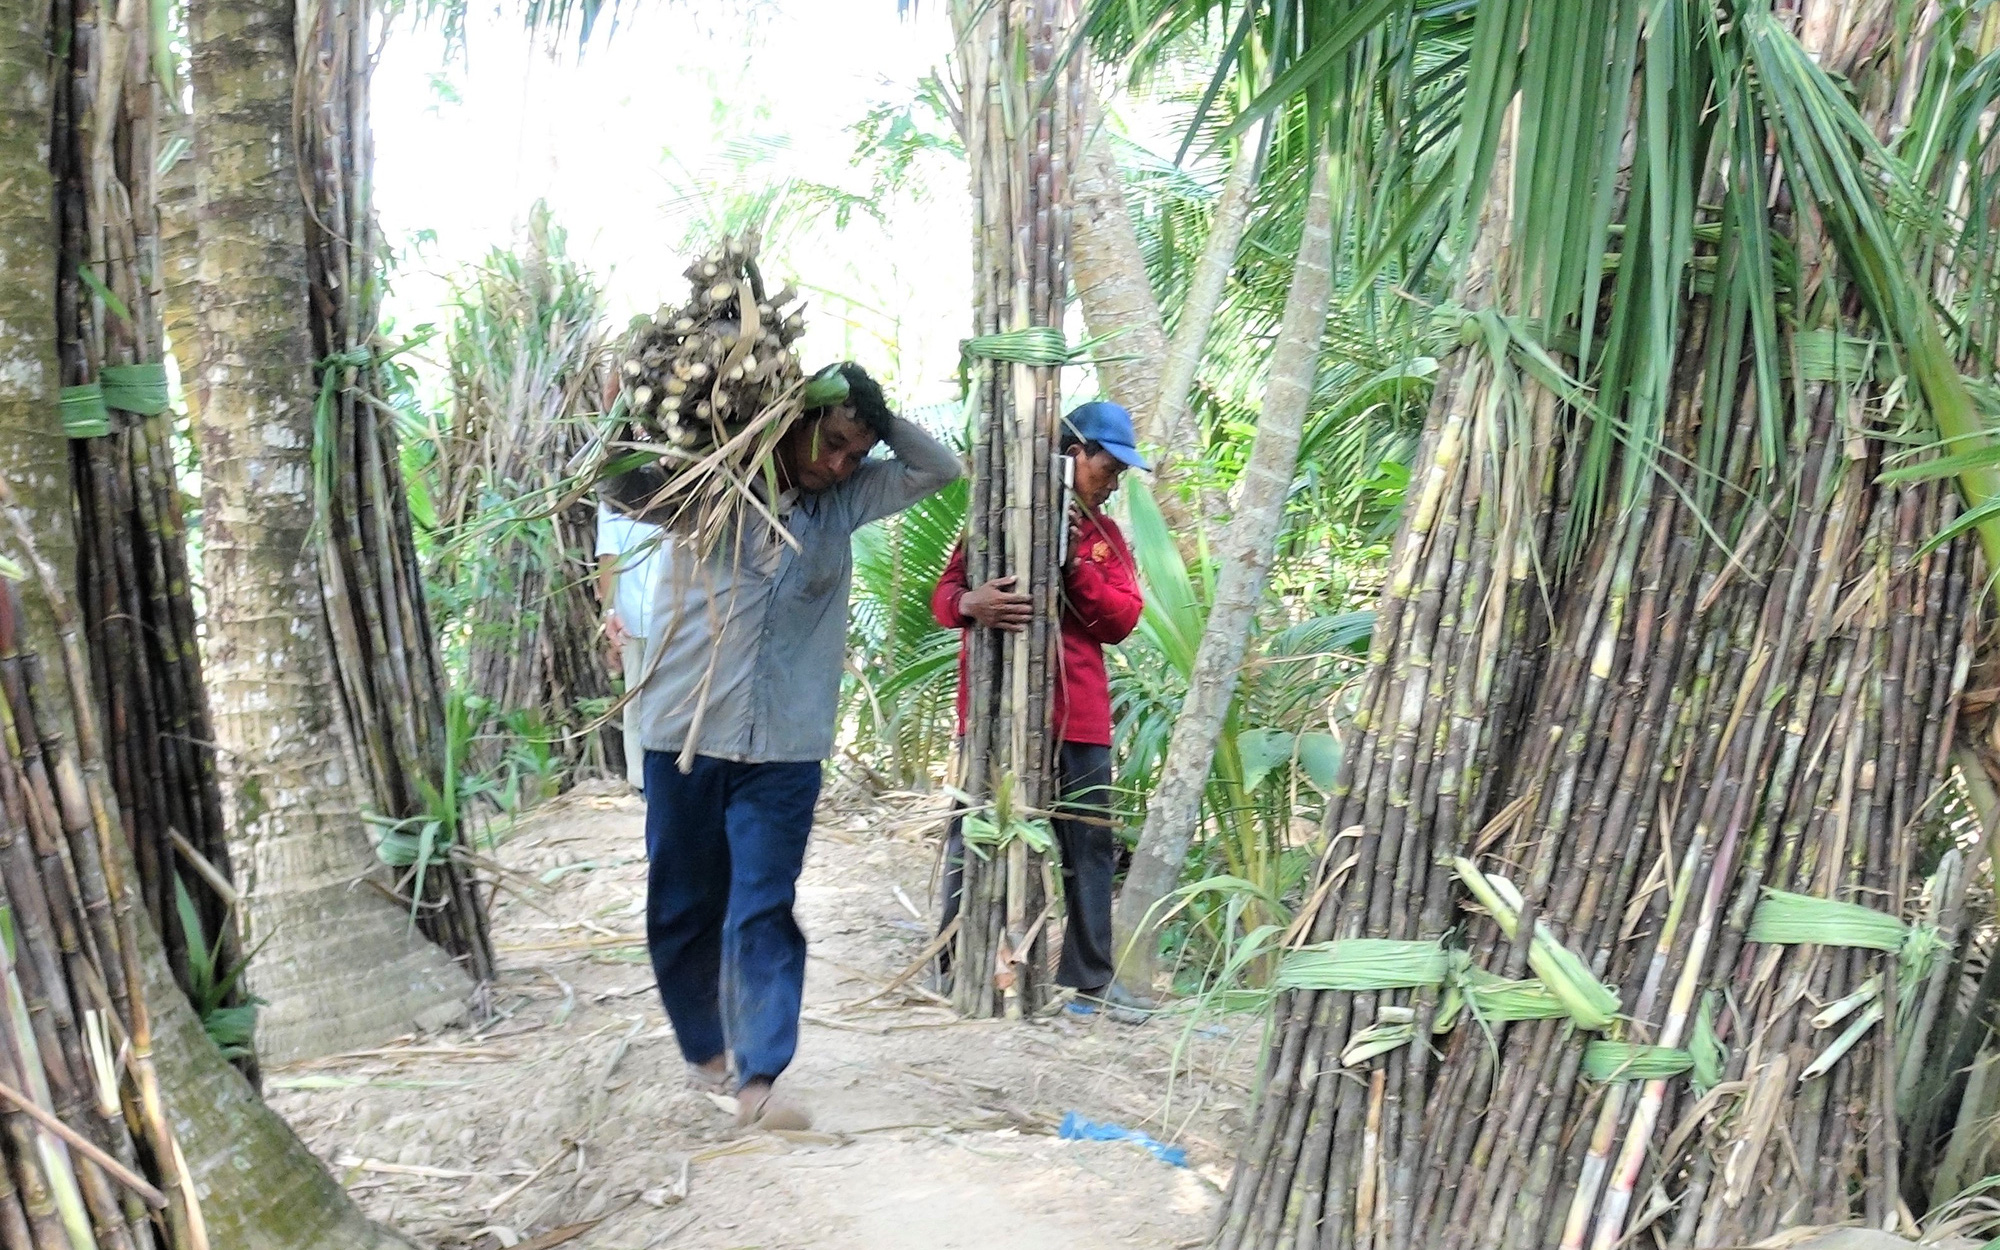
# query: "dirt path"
[[933, 1133]]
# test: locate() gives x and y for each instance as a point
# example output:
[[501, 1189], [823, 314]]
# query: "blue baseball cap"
[[1109, 426]]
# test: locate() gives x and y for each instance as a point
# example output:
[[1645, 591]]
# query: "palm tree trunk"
[[1177, 432], [33, 456], [1116, 295], [339, 964], [258, 1186], [180, 256], [1246, 550], [261, 1189], [1112, 286]]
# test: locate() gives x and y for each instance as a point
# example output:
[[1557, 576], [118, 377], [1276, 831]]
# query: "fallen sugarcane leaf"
[[844, 1026], [530, 1179], [743, 1146], [614, 941], [359, 1164], [915, 966], [807, 1137], [560, 871], [558, 1236], [329, 1080], [406, 1053]]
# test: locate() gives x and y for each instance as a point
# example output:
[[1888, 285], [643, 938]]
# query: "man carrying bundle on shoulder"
[[1101, 604], [742, 678]]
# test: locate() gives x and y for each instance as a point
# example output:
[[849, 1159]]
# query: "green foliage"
[[1276, 756], [232, 1027], [505, 536], [415, 844], [903, 671]]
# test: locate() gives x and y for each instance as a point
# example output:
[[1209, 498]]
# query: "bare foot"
[[760, 1106], [711, 1077]]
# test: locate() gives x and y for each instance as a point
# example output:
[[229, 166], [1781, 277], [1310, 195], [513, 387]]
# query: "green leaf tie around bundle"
[[1798, 919], [83, 412], [138, 389], [1591, 1003], [1003, 821], [1033, 345], [1562, 989], [981, 833], [1371, 964]]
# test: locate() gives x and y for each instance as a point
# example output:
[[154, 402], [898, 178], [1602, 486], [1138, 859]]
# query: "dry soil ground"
[[565, 1119]]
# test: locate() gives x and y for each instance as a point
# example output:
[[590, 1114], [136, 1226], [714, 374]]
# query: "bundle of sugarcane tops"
[[82, 1125], [706, 391]]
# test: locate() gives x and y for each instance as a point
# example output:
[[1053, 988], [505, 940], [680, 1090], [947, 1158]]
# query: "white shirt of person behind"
[[640, 549], [637, 552]]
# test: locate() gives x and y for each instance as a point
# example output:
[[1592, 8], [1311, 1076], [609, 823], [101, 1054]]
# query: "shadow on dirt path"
[[565, 1119]]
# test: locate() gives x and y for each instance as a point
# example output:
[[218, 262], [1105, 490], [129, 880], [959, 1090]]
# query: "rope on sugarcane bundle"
[[706, 392]]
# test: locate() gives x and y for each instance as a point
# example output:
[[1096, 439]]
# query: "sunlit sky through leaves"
[[645, 136]]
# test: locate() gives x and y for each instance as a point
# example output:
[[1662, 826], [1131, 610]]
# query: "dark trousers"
[[724, 845], [1089, 849]]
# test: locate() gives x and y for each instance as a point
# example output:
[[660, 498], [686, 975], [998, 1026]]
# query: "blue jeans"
[[724, 845]]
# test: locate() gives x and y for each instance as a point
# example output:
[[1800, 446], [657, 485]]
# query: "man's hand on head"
[[996, 606]]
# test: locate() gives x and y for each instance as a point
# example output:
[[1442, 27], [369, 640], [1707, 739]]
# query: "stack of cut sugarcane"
[[386, 652], [135, 604], [1665, 772], [87, 1155], [709, 388], [1022, 118]]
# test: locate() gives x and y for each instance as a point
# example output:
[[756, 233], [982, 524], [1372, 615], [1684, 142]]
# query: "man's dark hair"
[[864, 396], [1070, 438]]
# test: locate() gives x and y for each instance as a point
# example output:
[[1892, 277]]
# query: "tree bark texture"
[[1112, 286], [1177, 431], [1246, 547], [339, 963], [180, 259], [33, 454]]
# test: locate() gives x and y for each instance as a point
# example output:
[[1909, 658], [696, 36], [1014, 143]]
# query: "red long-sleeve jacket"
[[1101, 605]]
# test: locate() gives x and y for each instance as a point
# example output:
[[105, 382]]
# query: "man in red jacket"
[[1101, 603]]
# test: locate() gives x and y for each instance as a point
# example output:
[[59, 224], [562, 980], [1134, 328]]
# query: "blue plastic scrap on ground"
[[1076, 1128]]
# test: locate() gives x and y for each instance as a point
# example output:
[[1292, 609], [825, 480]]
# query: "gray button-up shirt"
[[764, 628]]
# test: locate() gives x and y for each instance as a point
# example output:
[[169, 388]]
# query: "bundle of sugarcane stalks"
[[385, 649], [82, 1126], [707, 391], [1632, 924], [1021, 109], [137, 608], [1711, 720], [513, 547]]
